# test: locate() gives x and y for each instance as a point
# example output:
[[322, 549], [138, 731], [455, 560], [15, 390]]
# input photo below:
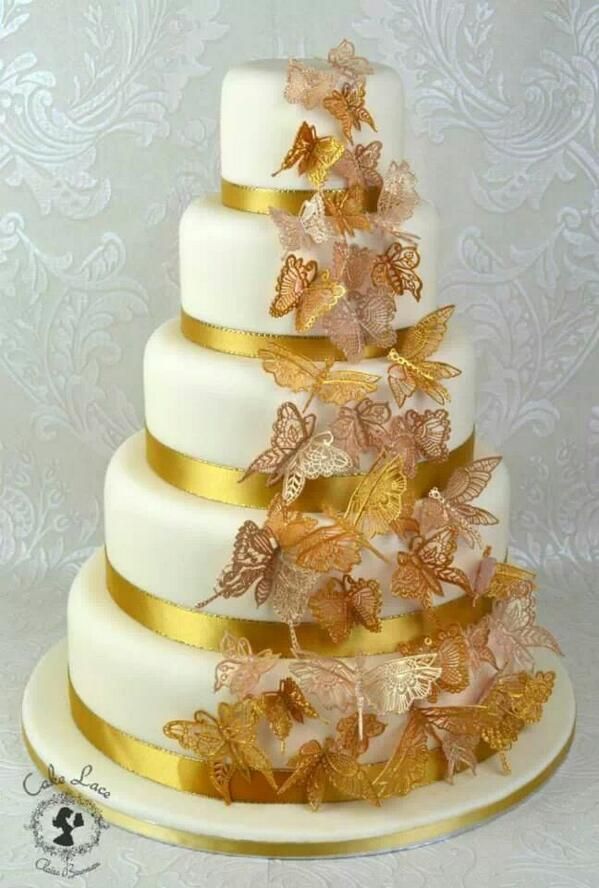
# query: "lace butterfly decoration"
[[241, 669], [301, 286], [314, 155], [297, 453]]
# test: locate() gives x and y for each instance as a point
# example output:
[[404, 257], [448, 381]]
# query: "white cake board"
[[336, 830]]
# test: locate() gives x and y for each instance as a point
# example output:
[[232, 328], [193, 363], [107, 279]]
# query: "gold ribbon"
[[250, 199], [246, 344], [371, 844], [205, 631], [187, 774], [223, 484]]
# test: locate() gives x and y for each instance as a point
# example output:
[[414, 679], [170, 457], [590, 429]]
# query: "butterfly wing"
[[290, 370], [343, 57], [290, 431], [468, 482], [361, 427], [307, 86], [328, 679], [316, 299], [425, 337], [253, 551], [359, 166], [331, 609], [202, 736], [377, 500], [398, 198], [341, 386], [394, 270], [317, 458], [394, 685]]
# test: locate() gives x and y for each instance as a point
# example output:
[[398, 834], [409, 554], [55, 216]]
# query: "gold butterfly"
[[500, 580], [391, 686], [343, 57], [241, 669], [297, 453], [411, 370], [393, 270], [309, 227], [377, 501], [301, 286], [345, 209], [300, 374], [316, 766], [347, 106], [405, 768], [514, 630], [285, 706], [453, 505], [307, 86], [226, 743], [342, 603], [348, 736], [452, 650], [359, 166], [427, 564], [314, 155]]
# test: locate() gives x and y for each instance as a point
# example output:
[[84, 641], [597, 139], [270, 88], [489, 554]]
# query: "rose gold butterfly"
[[309, 227], [393, 270], [241, 669], [313, 154], [514, 630], [301, 286], [453, 505], [307, 86], [345, 209], [342, 603], [359, 166], [347, 106], [297, 453], [397, 201], [428, 563], [390, 686], [285, 706], [419, 436], [343, 57], [411, 371], [317, 766], [300, 374], [361, 427]]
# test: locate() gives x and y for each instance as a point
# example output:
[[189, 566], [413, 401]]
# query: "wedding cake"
[[304, 634]]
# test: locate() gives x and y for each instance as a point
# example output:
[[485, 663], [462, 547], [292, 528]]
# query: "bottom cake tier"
[[291, 830]]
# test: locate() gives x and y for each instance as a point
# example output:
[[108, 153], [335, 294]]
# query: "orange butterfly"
[[453, 505], [419, 436], [300, 374], [500, 580], [241, 670], [453, 653], [411, 370], [342, 603], [301, 286], [427, 564], [307, 86], [347, 106], [361, 427], [345, 60], [296, 453], [346, 210], [359, 166], [314, 155], [348, 736], [393, 270]]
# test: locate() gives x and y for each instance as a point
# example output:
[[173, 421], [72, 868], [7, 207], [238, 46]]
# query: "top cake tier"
[[258, 124]]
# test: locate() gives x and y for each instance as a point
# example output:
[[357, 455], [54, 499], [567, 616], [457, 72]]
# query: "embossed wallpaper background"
[[108, 126]]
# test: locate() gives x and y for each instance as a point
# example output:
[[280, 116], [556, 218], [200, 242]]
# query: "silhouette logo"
[[65, 831]]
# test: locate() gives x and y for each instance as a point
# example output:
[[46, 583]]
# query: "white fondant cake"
[[131, 668]]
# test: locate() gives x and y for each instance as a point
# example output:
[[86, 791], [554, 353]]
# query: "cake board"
[[428, 814]]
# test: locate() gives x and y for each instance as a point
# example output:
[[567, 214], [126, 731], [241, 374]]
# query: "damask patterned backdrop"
[[108, 126]]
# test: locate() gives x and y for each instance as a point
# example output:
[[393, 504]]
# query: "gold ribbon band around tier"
[[223, 484], [188, 774], [386, 842], [251, 199], [247, 344], [204, 630]]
